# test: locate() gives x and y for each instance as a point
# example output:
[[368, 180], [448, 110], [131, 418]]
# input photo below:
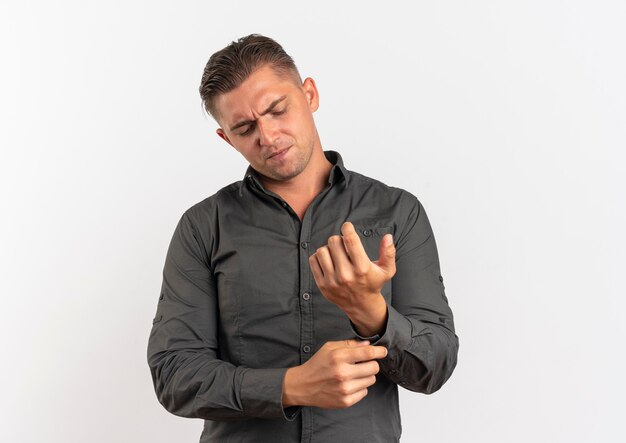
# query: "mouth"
[[280, 153]]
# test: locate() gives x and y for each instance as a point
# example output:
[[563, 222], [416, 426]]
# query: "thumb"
[[387, 254]]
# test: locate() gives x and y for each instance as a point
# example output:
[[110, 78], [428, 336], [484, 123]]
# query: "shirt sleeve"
[[189, 378], [419, 332]]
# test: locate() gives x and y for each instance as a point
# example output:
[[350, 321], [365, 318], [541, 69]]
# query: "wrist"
[[370, 319], [291, 391]]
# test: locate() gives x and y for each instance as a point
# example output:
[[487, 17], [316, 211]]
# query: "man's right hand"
[[337, 376]]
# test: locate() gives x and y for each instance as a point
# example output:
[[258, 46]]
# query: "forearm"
[[197, 385], [422, 354]]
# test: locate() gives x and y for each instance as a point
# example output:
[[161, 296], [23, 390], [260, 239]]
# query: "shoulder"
[[205, 210], [200, 220], [396, 196]]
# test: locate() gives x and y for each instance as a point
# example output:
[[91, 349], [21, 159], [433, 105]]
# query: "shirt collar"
[[338, 170]]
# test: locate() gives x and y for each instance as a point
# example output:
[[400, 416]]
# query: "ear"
[[223, 136], [311, 94]]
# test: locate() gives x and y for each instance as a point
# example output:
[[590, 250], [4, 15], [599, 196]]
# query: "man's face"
[[266, 115]]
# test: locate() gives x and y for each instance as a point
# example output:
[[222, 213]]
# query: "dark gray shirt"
[[239, 305]]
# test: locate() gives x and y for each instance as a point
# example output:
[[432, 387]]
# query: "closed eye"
[[249, 130], [251, 125]]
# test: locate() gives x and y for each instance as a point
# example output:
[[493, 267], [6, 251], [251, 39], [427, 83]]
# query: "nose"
[[268, 132]]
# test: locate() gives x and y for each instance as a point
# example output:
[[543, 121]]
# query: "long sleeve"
[[189, 378], [419, 333]]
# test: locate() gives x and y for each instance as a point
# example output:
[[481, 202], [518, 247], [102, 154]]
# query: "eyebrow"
[[269, 109]]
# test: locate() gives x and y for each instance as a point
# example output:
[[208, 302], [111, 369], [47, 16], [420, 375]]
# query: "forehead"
[[254, 95]]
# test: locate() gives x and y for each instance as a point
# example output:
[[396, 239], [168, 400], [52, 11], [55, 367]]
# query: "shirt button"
[[161, 296], [306, 296], [306, 348], [367, 232], [304, 245], [441, 278]]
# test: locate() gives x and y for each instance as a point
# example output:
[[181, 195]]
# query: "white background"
[[506, 119]]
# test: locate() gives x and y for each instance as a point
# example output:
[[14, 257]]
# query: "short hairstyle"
[[230, 67]]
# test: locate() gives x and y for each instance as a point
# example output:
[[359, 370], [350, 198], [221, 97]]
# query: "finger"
[[326, 263], [339, 256], [356, 354], [355, 398], [353, 343], [365, 353], [318, 273], [365, 369], [358, 384], [354, 248], [345, 343], [387, 255]]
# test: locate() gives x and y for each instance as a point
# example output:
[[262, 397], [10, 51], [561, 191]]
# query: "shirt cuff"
[[396, 335], [262, 394]]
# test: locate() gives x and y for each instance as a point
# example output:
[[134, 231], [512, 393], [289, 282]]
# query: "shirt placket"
[[305, 291], [306, 311]]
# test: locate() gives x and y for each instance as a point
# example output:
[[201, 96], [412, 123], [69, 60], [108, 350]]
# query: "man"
[[295, 301]]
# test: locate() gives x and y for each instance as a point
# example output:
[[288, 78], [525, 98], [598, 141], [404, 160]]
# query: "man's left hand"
[[347, 277]]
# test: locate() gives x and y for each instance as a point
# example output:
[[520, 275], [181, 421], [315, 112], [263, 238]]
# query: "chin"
[[285, 175]]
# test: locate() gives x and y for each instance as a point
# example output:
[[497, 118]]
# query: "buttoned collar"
[[338, 170]]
